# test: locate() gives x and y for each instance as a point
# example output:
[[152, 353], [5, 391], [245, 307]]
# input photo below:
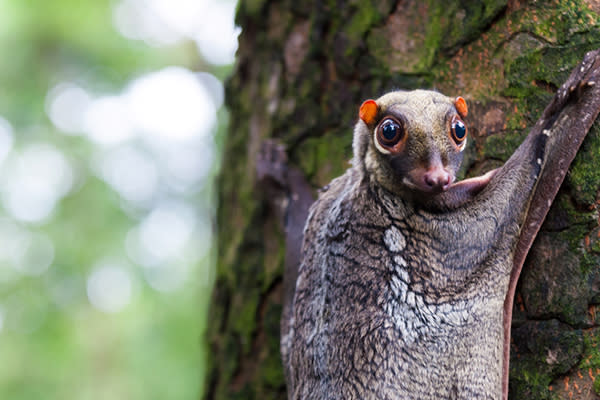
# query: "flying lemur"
[[405, 286]]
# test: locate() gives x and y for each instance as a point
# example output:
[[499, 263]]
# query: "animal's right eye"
[[458, 132], [390, 132]]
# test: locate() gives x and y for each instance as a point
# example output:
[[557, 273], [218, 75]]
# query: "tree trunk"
[[302, 71]]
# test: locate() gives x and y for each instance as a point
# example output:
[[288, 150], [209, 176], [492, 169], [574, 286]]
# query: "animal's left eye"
[[458, 131]]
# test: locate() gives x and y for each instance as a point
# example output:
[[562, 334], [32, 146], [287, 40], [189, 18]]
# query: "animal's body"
[[401, 290], [406, 298]]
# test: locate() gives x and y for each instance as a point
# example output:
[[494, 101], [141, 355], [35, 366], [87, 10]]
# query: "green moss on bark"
[[454, 23], [584, 177], [322, 159], [546, 350]]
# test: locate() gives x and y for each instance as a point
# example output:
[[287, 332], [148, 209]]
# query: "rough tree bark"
[[303, 69]]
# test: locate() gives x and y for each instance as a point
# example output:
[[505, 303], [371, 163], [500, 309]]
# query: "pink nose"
[[437, 178]]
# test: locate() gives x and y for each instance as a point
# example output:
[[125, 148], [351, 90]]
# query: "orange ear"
[[368, 111], [461, 106]]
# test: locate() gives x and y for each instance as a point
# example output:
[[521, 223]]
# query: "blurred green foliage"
[[53, 343]]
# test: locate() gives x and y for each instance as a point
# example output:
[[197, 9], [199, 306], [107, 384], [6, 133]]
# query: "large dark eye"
[[458, 131], [389, 133]]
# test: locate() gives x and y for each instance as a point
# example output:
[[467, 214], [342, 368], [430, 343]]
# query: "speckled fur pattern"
[[399, 298]]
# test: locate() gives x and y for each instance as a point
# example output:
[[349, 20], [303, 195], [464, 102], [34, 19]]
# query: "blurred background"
[[111, 114]]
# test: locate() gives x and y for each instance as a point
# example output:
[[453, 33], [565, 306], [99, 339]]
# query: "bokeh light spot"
[[171, 104], [131, 172], [217, 37], [107, 121], [109, 287], [66, 105], [166, 230], [34, 181]]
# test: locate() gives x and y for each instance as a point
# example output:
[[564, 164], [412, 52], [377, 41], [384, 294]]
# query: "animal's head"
[[412, 142]]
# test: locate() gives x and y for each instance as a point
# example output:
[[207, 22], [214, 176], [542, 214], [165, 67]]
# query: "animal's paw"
[[271, 162], [584, 77], [590, 67]]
